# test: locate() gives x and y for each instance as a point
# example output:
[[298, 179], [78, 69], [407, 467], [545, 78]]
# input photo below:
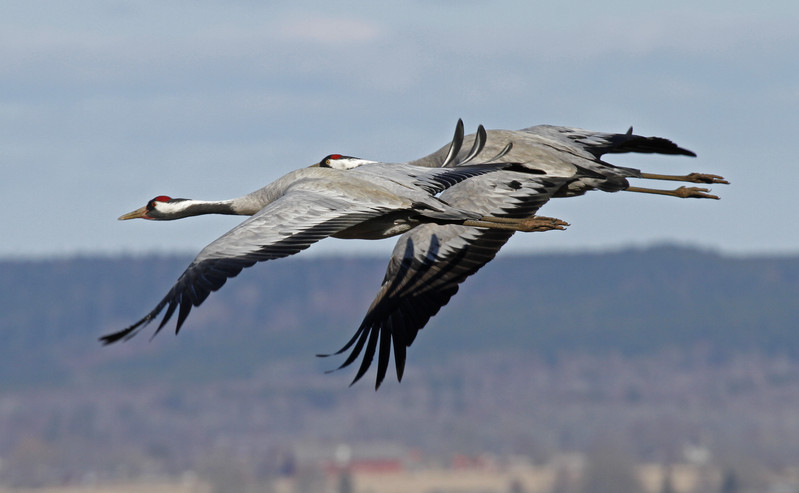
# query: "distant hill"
[[634, 302]]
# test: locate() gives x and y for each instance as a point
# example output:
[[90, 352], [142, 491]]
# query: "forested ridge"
[[635, 302]]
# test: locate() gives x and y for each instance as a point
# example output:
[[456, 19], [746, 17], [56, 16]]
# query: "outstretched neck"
[[180, 208]]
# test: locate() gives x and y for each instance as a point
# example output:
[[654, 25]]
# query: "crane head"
[[337, 161], [144, 212]]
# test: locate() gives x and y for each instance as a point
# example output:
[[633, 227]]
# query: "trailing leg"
[[527, 224], [690, 178], [682, 192]]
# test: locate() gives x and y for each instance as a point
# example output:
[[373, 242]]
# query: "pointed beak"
[[140, 212]]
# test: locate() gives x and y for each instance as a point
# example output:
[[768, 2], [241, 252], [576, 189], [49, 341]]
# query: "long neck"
[[180, 208], [246, 205]]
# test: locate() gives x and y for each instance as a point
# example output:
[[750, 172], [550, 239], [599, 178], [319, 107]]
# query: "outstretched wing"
[[430, 261], [424, 272], [282, 228]]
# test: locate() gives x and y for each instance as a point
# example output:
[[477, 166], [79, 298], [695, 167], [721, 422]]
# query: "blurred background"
[[649, 347]]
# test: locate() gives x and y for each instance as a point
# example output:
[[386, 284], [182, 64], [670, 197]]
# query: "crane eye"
[[329, 159]]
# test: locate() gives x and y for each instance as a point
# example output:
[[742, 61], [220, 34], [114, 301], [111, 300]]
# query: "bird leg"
[[682, 192], [527, 224], [691, 178]]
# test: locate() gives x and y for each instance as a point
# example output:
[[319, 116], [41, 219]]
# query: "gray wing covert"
[[431, 180]]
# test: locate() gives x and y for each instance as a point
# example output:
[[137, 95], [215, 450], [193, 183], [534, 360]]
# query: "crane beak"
[[140, 212]]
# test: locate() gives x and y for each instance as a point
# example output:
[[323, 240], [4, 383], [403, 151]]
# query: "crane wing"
[[430, 262], [286, 226]]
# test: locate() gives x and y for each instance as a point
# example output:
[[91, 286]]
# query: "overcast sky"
[[104, 105]]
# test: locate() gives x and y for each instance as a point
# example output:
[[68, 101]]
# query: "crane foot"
[[705, 178], [694, 193], [541, 223]]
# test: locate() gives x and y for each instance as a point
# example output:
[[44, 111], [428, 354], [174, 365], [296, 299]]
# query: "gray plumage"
[[374, 200], [429, 262], [435, 252], [564, 152]]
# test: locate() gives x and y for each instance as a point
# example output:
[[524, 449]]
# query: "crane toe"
[[706, 178], [694, 193], [541, 223]]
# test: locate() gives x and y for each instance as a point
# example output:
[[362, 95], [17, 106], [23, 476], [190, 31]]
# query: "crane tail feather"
[[477, 146], [455, 145], [501, 153]]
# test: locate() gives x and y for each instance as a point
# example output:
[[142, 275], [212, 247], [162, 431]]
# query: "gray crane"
[[430, 262], [562, 151], [341, 196]]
